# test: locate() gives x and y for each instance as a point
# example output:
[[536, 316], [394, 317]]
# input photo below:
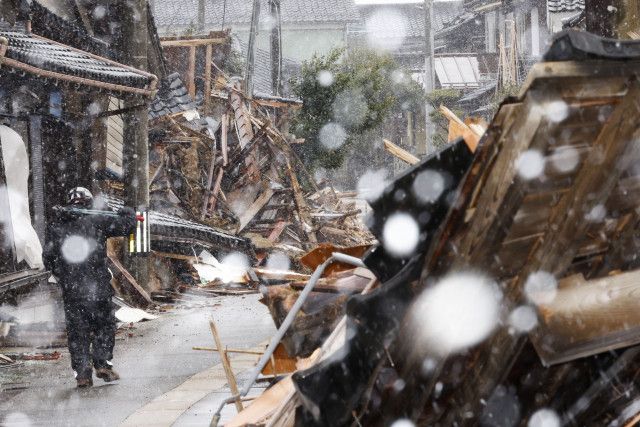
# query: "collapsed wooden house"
[[575, 218]]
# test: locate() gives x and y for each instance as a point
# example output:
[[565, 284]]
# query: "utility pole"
[[249, 70], [276, 48], [201, 16], [429, 76], [136, 127]]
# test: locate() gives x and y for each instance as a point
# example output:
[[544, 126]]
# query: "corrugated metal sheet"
[[457, 71]]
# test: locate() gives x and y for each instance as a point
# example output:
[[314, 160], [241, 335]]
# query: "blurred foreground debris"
[[541, 210]]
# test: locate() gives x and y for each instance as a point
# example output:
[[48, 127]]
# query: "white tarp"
[[16, 167]]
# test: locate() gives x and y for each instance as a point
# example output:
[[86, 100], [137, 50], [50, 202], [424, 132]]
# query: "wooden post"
[[191, 83], [223, 139], [136, 129], [233, 385], [253, 32], [207, 77]]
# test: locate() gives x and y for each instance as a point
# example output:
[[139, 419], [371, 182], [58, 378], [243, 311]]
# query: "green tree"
[[344, 95]]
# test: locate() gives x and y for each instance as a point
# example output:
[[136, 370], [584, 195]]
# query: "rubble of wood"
[[544, 206]]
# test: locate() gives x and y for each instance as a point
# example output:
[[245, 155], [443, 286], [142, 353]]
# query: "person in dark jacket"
[[75, 252]]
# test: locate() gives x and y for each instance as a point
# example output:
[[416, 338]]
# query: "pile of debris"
[[516, 302]]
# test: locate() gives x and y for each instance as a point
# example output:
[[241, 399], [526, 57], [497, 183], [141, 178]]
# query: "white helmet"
[[80, 196]]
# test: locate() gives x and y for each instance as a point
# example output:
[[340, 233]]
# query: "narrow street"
[[156, 359]]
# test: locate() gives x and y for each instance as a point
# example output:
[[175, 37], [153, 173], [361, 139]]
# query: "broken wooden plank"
[[207, 77], [400, 153], [191, 73], [115, 263], [231, 378], [255, 207], [277, 231], [458, 128], [589, 317]]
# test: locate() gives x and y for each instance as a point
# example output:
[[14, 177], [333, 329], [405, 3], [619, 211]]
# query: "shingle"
[[407, 20], [565, 5], [172, 97], [172, 226], [50, 56], [182, 14]]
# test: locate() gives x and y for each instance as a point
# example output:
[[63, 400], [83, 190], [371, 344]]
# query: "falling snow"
[[76, 249], [325, 78], [596, 214], [350, 108], [403, 422], [99, 12], [461, 310], [371, 184], [541, 287], [565, 159], [544, 418], [556, 111], [428, 186], [530, 164], [278, 261], [523, 319], [381, 39], [400, 235], [332, 136]]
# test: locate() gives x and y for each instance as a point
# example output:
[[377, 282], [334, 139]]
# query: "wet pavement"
[[157, 358]]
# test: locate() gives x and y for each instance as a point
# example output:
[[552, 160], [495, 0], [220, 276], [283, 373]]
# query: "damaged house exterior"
[[78, 117], [49, 109]]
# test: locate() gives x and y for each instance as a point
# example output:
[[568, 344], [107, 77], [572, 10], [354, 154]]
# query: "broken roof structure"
[[37, 55]]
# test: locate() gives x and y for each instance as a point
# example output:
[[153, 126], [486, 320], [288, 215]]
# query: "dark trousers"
[[91, 331]]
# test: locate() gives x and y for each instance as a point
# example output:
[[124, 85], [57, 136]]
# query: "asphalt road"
[[157, 358]]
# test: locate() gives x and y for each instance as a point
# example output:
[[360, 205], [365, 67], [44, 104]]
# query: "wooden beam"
[[207, 77], [589, 317], [193, 42], [231, 378], [223, 139], [191, 76], [216, 189], [400, 153], [114, 262]]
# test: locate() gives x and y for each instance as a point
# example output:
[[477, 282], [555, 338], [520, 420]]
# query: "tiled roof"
[[182, 14], [172, 97], [565, 5], [47, 55], [170, 226], [407, 20]]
